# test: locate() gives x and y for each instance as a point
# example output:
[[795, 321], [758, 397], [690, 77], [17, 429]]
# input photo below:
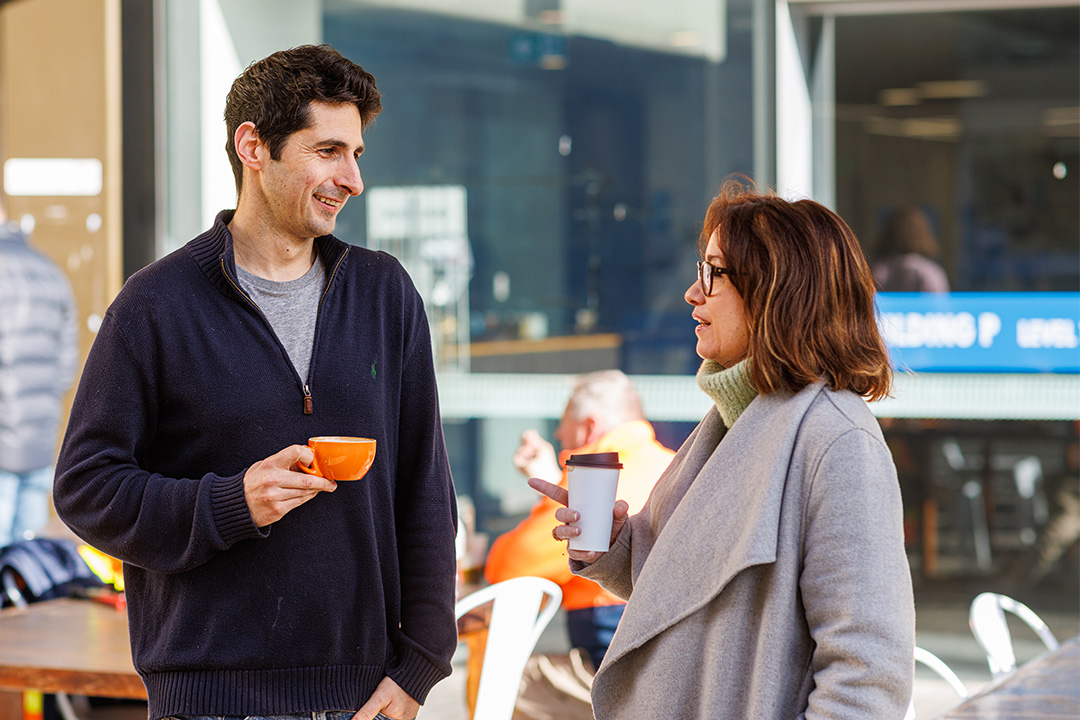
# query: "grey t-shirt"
[[291, 307]]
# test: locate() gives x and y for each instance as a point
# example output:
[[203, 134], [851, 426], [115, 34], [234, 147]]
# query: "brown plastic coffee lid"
[[598, 460]]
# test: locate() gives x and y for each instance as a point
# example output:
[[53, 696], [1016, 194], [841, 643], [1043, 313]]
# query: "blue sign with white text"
[[982, 332]]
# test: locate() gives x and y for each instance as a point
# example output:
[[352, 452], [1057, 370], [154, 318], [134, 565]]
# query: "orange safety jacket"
[[529, 549]]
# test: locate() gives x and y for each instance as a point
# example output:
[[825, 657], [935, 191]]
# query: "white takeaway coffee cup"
[[593, 479]]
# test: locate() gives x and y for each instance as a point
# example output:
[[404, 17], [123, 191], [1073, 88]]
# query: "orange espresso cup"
[[340, 458]]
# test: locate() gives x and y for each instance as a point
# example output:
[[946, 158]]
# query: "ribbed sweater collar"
[[213, 252], [729, 388]]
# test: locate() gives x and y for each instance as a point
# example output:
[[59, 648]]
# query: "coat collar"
[[731, 493]]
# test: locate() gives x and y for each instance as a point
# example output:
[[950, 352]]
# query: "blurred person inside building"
[[908, 254], [604, 414], [39, 350]]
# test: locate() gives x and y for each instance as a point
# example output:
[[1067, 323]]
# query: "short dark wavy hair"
[[807, 291], [275, 94]]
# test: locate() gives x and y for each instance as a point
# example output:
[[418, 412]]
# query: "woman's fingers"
[[619, 515], [566, 515], [552, 490], [585, 556]]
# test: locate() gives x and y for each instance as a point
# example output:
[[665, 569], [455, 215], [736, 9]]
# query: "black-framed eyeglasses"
[[705, 274]]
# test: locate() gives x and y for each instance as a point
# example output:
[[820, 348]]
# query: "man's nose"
[[350, 179]]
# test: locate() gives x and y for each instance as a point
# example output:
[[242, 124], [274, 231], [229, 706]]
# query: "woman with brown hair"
[[766, 577]]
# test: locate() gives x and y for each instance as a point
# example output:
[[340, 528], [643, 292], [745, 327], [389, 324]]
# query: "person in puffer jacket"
[[39, 352]]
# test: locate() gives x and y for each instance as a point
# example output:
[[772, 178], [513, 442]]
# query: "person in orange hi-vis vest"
[[604, 414]]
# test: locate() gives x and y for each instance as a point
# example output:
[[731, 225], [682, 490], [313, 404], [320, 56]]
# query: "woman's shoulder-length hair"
[[807, 292]]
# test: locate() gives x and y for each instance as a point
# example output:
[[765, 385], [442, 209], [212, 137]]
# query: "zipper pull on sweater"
[[307, 400]]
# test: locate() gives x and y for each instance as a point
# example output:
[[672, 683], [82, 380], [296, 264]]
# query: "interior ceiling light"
[[933, 90], [952, 89], [945, 128], [1061, 116], [1061, 122], [898, 97]]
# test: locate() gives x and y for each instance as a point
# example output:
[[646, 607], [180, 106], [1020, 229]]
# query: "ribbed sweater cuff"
[[414, 673], [231, 513], [729, 388]]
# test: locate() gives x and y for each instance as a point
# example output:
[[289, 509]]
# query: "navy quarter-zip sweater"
[[185, 387]]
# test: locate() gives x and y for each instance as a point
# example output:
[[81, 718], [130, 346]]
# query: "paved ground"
[[941, 628]]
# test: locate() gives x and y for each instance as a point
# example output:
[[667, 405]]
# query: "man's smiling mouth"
[[329, 201]]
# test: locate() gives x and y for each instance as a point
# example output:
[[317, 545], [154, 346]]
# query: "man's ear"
[[247, 143], [593, 429]]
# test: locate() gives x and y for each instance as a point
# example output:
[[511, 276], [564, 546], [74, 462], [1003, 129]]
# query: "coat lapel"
[[726, 520]]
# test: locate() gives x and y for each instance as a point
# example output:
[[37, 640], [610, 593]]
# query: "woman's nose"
[[693, 294]]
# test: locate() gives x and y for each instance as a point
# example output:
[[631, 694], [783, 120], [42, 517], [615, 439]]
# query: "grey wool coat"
[[766, 577]]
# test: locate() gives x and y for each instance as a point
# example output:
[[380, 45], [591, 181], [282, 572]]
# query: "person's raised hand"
[[274, 486], [535, 457], [619, 513], [389, 701]]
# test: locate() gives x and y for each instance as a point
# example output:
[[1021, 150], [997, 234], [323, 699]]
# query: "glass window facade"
[[586, 162], [542, 168], [543, 177], [587, 166], [974, 118]]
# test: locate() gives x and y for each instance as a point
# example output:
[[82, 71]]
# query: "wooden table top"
[[1046, 688], [74, 646]]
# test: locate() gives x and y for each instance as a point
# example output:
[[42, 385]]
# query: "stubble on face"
[[308, 185]]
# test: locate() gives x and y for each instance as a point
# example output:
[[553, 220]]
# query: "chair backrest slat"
[[932, 661], [518, 618], [991, 629]]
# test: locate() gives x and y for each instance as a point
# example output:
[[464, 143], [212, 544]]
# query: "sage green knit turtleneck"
[[729, 388]]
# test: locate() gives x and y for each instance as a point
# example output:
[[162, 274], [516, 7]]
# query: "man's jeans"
[[24, 503], [592, 629]]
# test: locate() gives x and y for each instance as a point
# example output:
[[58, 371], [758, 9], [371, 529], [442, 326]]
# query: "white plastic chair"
[[991, 629], [968, 470], [517, 620], [936, 664]]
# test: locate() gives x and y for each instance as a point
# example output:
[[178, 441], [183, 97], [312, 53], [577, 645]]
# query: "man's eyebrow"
[[334, 142]]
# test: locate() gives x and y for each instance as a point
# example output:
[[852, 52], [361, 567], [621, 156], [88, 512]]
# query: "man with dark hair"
[[276, 96], [255, 589]]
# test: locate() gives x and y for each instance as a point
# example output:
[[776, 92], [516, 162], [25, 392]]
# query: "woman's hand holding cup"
[[565, 515]]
